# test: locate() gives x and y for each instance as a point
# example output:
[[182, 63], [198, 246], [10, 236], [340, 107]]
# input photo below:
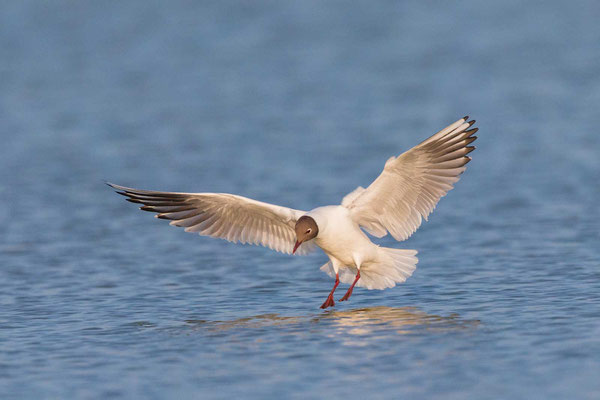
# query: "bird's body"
[[349, 248], [396, 202], [340, 237]]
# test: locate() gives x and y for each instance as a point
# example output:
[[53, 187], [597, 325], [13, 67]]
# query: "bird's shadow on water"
[[374, 322]]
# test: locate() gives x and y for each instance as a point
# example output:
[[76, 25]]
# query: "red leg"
[[349, 292], [329, 302]]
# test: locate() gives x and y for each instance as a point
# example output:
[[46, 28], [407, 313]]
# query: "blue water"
[[296, 103]]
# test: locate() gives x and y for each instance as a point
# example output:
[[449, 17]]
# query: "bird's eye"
[[308, 231]]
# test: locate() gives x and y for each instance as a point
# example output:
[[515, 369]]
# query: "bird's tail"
[[391, 267]]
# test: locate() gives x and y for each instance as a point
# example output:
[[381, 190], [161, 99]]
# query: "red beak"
[[296, 246]]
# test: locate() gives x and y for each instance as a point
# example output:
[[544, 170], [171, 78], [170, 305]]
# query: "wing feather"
[[226, 216], [411, 185]]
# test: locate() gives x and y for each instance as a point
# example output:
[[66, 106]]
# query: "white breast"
[[339, 236]]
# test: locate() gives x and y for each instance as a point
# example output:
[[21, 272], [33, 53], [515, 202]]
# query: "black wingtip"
[[472, 131], [466, 117], [113, 185]]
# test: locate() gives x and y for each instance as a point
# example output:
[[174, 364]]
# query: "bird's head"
[[306, 229]]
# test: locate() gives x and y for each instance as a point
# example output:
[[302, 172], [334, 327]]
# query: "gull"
[[396, 202]]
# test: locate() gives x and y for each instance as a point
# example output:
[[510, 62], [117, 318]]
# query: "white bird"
[[406, 191]]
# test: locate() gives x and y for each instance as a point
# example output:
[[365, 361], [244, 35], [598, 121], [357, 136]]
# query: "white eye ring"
[[308, 231]]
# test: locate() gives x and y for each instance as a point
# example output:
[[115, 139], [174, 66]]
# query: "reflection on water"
[[374, 322], [402, 319], [255, 322]]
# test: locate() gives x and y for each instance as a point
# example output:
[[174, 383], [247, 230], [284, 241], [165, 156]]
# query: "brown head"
[[306, 229]]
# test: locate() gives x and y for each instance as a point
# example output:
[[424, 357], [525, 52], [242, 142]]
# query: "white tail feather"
[[393, 266]]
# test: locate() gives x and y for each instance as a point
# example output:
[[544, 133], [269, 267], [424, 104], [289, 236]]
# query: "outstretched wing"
[[226, 216], [411, 184]]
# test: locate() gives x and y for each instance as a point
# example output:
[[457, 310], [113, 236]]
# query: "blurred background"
[[296, 103]]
